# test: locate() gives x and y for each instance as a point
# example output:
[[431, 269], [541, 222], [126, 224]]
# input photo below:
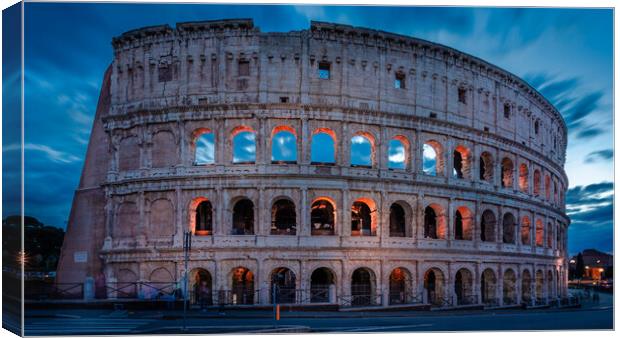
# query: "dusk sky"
[[567, 54]]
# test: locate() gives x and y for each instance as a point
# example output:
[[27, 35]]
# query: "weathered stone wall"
[[168, 86]]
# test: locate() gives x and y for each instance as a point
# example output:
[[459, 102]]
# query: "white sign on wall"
[[80, 256]]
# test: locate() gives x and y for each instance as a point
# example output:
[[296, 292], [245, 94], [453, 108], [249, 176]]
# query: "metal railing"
[[490, 302], [360, 300], [510, 300], [540, 301], [43, 291], [438, 301], [405, 297], [467, 300]]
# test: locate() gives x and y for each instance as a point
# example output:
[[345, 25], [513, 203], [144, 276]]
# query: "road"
[[591, 316]]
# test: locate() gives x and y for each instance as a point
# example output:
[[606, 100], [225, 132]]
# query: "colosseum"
[[332, 165]]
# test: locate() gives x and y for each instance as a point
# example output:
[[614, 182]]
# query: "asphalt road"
[[593, 315]]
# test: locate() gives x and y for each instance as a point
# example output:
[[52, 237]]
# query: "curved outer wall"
[[130, 210]]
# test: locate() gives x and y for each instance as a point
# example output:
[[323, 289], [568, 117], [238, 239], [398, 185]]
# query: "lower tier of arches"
[[351, 282]]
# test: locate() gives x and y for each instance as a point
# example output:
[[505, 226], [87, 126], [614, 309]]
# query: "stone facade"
[[141, 186]]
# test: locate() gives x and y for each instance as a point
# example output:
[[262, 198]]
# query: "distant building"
[[597, 265]]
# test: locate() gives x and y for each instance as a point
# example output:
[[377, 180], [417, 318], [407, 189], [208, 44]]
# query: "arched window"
[[323, 149], [283, 146], [362, 219], [526, 287], [432, 162], [283, 281], [283, 218], [487, 226], [463, 287], [540, 233], [488, 285], [507, 172], [547, 188], [486, 167], [508, 228], [525, 230], [363, 287], [243, 217], [434, 226], [361, 151], [509, 288], [244, 146], [322, 218], [242, 286], [434, 286], [320, 282], [462, 224], [537, 182], [397, 221], [536, 126], [397, 153], [400, 286], [204, 148], [524, 177], [461, 162], [204, 219]]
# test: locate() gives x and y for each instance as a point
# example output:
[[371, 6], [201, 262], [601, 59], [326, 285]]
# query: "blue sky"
[[565, 53]]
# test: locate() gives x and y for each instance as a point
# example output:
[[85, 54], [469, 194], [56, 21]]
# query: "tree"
[[579, 268]]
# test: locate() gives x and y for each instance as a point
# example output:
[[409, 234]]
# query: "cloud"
[[600, 155], [52, 154]]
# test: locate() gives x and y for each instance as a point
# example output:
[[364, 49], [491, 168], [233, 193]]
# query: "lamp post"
[[187, 246]]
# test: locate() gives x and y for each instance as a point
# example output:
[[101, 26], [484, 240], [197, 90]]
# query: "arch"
[[547, 187], [283, 145], [524, 177], [126, 284], [201, 286], [323, 147], [202, 221], [464, 287], [549, 231], [434, 287], [432, 158], [540, 286], [540, 233], [283, 280], [363, 218], [536, 126], [129, 153], [321, 281], [461, 162], [488, 288], [526, 229], [204, 146], [242, 282], [164, 152], [486, 167], [283, 217], [127, 220], [508, 228], [243, 145], [398, 150], [507, 172], [243, 217], [434, 222], [463, 219], [488, 224], [161, 275], [526, 287], [537, 182], [509, 288], [555, 192], [362, 150], [161, 218], [322, 217], [398, 220], [400, 286], [549, 284], [363, 285]]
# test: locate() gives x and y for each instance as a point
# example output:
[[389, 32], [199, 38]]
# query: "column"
[[305, 211]]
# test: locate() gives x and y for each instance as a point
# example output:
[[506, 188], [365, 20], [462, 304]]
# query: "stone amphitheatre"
[[414, 173]]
